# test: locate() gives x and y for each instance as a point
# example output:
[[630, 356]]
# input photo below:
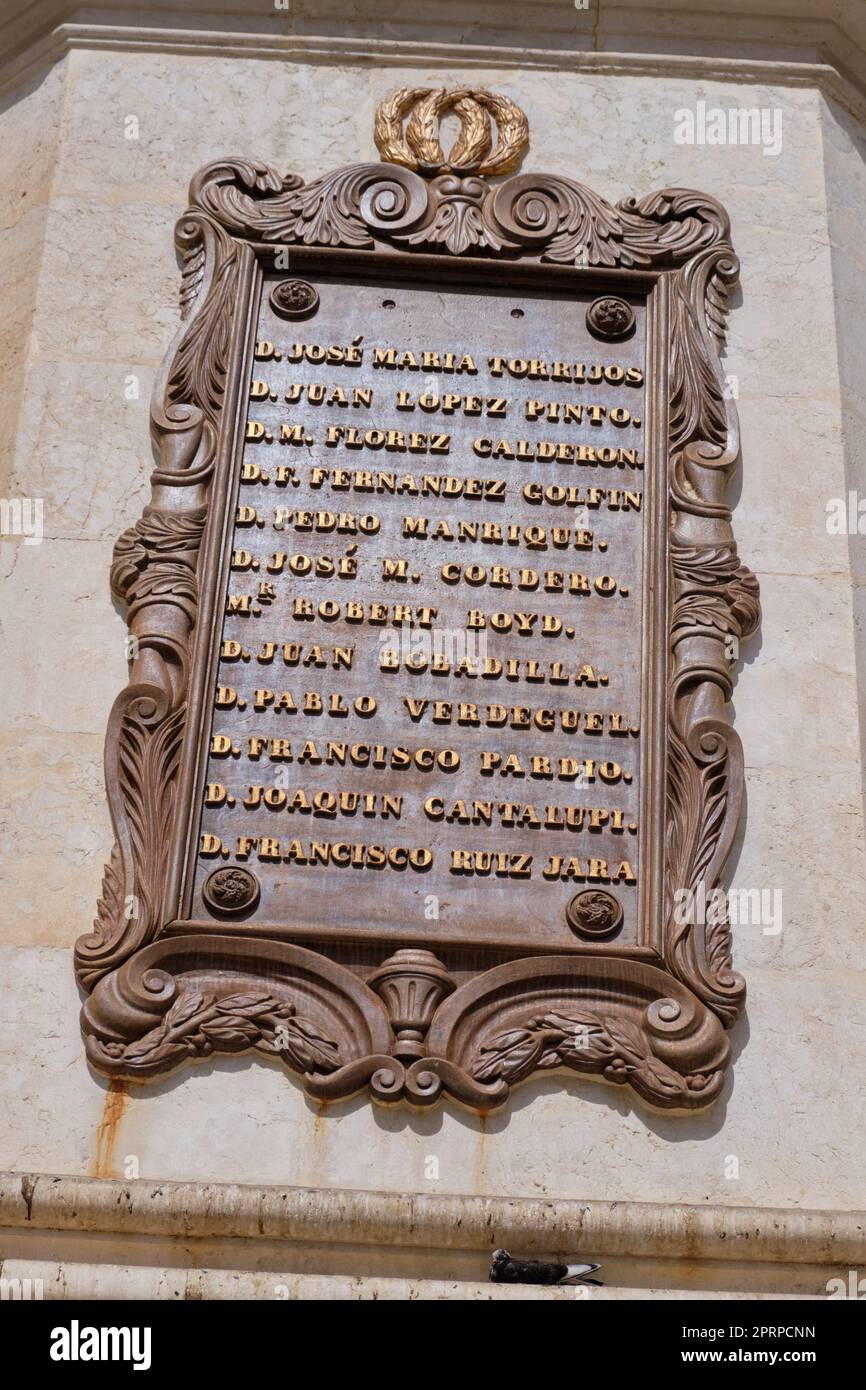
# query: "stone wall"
[[89, 288]]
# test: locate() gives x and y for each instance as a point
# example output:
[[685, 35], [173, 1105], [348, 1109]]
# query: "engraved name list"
[[429, 669]]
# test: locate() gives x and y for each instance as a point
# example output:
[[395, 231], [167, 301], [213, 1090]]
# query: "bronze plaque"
[[429, 677], [424, 772]]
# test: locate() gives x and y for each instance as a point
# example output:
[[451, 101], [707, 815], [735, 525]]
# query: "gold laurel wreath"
[[417, 146]]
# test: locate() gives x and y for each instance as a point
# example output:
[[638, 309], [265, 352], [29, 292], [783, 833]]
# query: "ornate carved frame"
[[159, 995]]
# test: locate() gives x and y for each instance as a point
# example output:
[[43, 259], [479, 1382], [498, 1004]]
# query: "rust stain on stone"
[[106, 1133], [318, 1144], [481, 1154]]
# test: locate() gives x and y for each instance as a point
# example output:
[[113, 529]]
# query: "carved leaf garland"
[[582, 1041], [198, 1024]]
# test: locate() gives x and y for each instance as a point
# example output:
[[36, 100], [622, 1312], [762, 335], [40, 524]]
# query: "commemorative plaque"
[[424, 773]]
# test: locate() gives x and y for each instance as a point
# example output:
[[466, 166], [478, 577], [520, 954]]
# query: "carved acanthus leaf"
[[545, 215], [198, 372], [714, 590], [156, 559], [154, 571]]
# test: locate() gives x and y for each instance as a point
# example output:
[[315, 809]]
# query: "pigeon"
[[506, 1269]]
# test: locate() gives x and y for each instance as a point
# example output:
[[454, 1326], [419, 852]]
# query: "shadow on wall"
[[580, 1090]]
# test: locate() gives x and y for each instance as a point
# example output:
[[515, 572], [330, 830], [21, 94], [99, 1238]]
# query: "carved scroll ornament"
[[409, 1030]]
